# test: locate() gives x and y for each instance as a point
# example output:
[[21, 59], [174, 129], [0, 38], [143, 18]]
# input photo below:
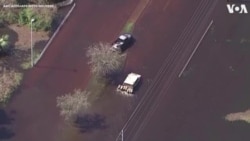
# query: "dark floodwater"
[[193, 109], [216, 83], [32, 113]]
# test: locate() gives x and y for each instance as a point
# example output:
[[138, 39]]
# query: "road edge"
[[55, 33], [64, 3]]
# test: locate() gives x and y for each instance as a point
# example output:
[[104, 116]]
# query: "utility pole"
[[31, 42]]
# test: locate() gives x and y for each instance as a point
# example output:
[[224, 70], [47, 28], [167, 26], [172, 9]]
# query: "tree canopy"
[[103, 60]]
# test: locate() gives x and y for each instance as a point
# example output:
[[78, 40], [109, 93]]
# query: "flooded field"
[[214, 84]]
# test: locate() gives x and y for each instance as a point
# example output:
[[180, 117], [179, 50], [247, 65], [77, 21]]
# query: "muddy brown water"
[[215, 85], [32, 110], [192, 110]]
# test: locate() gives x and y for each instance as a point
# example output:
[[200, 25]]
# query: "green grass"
[[26, 64], [128, 28], [96, 86]]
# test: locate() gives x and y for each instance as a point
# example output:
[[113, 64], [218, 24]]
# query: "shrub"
[[71, 105], [103, 60], [9, 81], [25, 16], [4, 44], [8, 16], [43, 18]]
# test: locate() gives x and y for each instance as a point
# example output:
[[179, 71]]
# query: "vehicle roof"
[[122, 37], [132, 78]]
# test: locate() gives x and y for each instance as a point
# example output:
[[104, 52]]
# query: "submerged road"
[[166, 32], [171, 67], [178, 107], [32, 112], [162, 30]]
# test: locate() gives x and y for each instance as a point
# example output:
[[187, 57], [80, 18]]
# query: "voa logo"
[[233, 8]]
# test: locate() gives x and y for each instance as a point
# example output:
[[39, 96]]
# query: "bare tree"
[[71, 105], [103, 60]]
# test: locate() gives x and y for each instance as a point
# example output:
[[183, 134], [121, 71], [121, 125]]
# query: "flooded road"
[[194, 106]]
